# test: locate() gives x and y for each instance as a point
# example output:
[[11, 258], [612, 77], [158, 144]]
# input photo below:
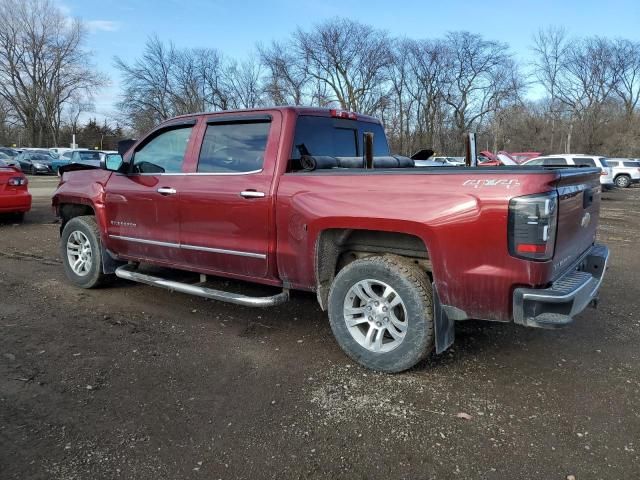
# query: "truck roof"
[[297, 110]]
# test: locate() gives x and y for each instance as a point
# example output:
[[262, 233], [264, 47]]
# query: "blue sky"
[[121, 27]]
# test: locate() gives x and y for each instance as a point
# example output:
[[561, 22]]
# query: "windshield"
[[39, 158]]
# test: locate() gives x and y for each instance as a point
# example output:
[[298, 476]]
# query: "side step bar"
[[128, 272]]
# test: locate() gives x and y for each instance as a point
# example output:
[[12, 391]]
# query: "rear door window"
[[233, 147]]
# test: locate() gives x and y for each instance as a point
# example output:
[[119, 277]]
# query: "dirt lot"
[[136, 382]]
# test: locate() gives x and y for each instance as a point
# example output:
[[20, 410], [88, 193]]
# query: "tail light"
[[17, 181], [343, 114], [532, 227]]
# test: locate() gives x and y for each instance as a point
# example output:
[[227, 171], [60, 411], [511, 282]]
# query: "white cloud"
[[102, 25]]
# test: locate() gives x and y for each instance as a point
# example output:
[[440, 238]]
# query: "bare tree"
[[76, 107], [428, 74], [627, 65], [474, 68], [427, 92], [42, 65], [350, 58], [242, 82], [588, 79], [286, 80], [550, 48], [146, 97]]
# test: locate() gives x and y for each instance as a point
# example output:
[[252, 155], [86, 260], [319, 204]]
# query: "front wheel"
[[623, 181], [381, 312], [80, 249]]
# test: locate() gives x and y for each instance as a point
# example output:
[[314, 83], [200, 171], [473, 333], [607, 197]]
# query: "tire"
[[623, 181], [18, 217], [348, 294], [82, 231]]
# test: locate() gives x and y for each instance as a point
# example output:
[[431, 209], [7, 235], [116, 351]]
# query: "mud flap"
[[109, 261], [444, 327]]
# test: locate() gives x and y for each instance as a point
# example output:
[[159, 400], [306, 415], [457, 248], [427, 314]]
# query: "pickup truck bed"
[[446, 243]]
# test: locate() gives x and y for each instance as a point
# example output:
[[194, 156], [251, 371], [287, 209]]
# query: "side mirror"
[[113, 162]]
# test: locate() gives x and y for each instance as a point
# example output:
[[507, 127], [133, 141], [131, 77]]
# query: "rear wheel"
[[623, 181], [80, 249], [380, 309]]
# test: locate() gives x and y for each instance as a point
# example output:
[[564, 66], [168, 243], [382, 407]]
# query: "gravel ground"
[[135, 382]]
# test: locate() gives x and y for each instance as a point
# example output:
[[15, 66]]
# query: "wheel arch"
[[69, 210], [337, 247]]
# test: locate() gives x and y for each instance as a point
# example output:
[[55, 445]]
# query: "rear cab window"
[[334, 137]]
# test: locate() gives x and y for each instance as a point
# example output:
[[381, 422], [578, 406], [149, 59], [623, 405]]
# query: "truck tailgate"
[[579, 194]]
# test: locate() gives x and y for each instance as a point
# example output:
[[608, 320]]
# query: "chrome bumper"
[[566, 297]]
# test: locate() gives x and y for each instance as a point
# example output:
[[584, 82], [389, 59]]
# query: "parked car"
[[9, 160], [63, 159], [521, 157], [625, 171], [91, 157], [449, 161], [11, 152], [577, 160], [87, 157], [395, 254], [14, 193], [488, 159], [34, 162], [57, 152]]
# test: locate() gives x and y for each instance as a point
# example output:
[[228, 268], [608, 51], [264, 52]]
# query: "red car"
[[312, 199], [14, 193]]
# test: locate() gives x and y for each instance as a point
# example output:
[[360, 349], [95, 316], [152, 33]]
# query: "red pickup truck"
[[311, 199]]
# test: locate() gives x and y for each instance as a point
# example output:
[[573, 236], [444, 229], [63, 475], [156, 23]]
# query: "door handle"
[[167, 191], [251, 194]]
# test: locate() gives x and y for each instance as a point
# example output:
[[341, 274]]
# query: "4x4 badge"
[[586, 220]]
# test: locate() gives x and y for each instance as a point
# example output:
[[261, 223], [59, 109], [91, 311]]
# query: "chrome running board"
[[128, 272]]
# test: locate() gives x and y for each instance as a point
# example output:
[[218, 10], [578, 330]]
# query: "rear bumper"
[[566, 297], [15, 203], [607, 181]]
